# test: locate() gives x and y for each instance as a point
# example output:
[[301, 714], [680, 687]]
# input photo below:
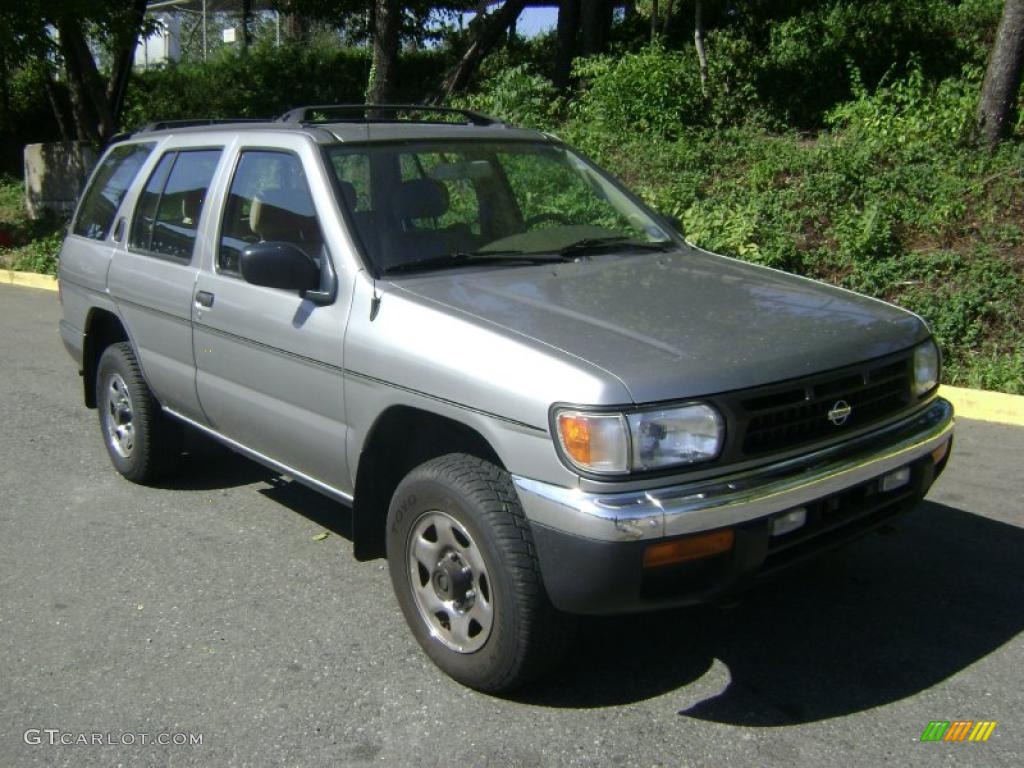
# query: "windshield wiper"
[[463, 258], [591, 244]]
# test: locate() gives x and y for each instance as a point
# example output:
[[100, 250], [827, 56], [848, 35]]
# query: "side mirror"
[[279, 265]]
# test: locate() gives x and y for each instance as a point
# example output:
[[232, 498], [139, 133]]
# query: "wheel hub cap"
[[118, 417], [452, 578], [450, 584]]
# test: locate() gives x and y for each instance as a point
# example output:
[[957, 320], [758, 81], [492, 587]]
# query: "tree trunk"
[[5, 100], [998, 106], [88, 100], [597, 23], [568, 31], [58, 113], [485, 32], [698, 43], [384, 69], [85, 122], [246, 22], [669, 10], [654, 20], [97, 107], [124, 58]]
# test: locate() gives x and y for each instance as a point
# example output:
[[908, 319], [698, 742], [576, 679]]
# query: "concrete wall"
[[55, 175]]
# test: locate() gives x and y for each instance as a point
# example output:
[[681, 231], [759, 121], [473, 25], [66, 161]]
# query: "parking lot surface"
[[208, 608]]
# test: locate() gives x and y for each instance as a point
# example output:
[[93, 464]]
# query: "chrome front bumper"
[[741, 497]]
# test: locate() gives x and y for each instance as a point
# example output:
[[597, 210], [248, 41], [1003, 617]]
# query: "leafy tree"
[[46, 31]]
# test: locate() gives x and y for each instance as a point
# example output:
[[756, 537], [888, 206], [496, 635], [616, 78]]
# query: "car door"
[[153, 270], [268, 361]]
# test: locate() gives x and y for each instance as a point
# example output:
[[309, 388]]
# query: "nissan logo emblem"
[[839, 413]]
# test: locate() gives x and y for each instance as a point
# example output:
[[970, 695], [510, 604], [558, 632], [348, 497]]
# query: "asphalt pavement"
[[207, 610]]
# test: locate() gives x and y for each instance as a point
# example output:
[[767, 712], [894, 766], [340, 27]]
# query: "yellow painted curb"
[[28, 279], [985, 406]]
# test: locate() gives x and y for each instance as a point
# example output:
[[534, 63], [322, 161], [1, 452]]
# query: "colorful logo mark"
[[958, 730]]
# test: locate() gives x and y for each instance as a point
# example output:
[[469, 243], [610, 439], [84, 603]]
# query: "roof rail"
[[362, 113], [162, 125]]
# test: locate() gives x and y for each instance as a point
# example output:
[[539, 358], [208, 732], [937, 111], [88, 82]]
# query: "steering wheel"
[[539, 218]]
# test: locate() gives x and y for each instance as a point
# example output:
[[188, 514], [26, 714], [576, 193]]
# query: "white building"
[[163, 45]]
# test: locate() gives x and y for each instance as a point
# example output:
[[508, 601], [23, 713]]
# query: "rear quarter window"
[[111, 181]]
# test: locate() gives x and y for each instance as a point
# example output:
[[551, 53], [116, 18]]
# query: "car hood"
[[682, 324]]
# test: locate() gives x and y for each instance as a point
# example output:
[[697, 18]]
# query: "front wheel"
[[466, 575], [142, 442]]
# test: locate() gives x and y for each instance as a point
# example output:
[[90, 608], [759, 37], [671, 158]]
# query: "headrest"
[[421, 199], [191, 206], [276, 214]]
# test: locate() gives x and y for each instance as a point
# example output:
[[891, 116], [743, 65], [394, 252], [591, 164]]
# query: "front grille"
[[787, 416]]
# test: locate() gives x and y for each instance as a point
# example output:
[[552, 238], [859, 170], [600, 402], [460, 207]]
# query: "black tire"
[[152, 449], [526, 635]]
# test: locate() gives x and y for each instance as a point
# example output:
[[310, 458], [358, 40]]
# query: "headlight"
[[926, 368], [616, 443], [676, 436]]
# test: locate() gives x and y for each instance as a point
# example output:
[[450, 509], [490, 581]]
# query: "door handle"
[[204, 298]]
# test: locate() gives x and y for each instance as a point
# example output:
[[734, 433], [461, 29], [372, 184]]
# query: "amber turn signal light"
[[940, 453], [575, 429], [690, 548]]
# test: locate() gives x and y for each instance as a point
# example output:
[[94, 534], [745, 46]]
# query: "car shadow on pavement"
[[207, 465], [312, 505], [887, 617]]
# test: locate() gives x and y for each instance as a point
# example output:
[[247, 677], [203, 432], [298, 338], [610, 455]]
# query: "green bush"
[[910, 113], [652, 91], [34, 245], [520, 95], [40, 255], [267, 81]]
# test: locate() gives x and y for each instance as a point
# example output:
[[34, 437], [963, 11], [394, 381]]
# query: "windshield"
[[444, 204]]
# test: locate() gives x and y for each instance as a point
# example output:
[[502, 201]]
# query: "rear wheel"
[[143, 443], [466, 575]]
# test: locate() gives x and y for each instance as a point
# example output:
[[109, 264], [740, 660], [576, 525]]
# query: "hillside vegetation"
[[836, 143]]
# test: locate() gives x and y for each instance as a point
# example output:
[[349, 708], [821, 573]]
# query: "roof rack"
[[363, 113], [161, 125]]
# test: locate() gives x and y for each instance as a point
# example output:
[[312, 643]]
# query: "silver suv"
[[536, 397]]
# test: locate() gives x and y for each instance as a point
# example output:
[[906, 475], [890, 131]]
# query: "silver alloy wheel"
[[120, 427], [449, 582]]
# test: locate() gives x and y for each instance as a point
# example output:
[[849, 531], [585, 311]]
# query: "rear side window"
[[167, 214], [104, 195]]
